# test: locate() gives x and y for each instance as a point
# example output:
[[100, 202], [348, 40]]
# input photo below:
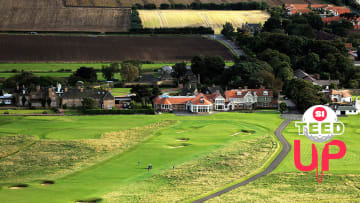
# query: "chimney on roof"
[[38, 88], [108, 89], [262, 87], [246, 87], [66, 89], [81, 89]]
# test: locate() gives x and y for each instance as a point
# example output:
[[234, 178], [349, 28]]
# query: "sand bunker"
[[173, 147], [48, 182], [17, 187], [183, 139]]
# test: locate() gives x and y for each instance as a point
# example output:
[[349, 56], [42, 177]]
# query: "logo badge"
[[319, 124]]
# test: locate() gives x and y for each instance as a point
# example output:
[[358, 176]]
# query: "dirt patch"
[[19, 186], [44, 48]]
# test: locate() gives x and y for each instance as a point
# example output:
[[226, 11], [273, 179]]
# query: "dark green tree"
[[89, 103], [108, 72], [228, 30]]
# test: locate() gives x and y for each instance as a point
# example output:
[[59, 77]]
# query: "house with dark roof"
[[298, 73], [74, 97], [36, 97], [249, 99]]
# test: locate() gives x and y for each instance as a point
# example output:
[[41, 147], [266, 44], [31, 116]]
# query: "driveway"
[[229, 43]]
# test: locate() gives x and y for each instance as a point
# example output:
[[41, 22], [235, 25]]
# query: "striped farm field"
[[196, 18]]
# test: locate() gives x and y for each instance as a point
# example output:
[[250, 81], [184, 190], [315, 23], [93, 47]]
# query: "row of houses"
[[238, 99], [327, 12], [55, 97]]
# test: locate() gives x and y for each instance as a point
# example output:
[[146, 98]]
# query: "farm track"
[[285, 150]]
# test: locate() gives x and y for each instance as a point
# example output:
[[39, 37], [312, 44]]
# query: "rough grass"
[[108, 166], [196, 18], [201, 175], [58, 157], [340, 184]]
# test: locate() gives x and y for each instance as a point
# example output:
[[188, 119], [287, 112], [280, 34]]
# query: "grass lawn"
[[120, 91], [286, 183], [103, 151], [30, 111], [50, 69]]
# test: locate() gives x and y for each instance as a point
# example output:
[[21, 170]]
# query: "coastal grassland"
[[97, 156], [196, 18], [286, 183]]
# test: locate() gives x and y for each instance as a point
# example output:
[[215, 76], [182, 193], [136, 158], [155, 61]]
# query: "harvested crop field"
[[51, 15], [44, 48], [196, 18]]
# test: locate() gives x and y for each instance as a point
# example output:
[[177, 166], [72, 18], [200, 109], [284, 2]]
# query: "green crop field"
[[196, 18], [286, 183], [96, 157]]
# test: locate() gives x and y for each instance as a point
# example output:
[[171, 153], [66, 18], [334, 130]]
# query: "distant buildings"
[[303, 75], [241, 99], [73, 97], [55, 97], [342, 103], [325, 10]]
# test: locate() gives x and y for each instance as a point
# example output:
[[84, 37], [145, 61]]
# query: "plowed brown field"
[[51, 15], [33, 48]]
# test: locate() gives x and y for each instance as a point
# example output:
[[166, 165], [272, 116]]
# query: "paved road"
[[285, 150], [230, 44]]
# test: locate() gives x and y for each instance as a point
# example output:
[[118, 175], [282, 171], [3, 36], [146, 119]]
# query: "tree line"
[[206, 6]]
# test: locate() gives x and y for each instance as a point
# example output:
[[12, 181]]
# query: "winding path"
[[285, 150]]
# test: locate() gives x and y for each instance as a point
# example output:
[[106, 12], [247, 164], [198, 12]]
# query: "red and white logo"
[[319, 124]]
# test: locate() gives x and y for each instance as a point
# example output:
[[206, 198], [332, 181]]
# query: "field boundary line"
[[270, 165]]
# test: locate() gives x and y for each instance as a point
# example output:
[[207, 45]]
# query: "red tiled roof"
[[344, 93], [182, 100], [212, 97], [329, 19], [200, 97], [348, 45], [340, 10], [171, 100]]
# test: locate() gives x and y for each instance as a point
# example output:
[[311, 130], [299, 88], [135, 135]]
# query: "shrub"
[[164, 6], [44, 112], [6, 112], [150, 6]]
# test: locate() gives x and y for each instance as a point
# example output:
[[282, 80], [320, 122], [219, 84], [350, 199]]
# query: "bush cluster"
[[207, 6]]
